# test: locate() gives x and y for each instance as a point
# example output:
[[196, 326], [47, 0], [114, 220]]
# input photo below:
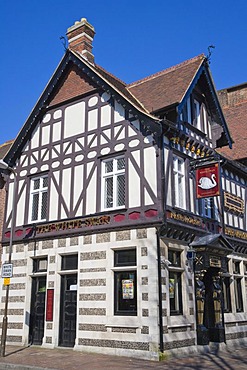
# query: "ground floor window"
[[125, 282], [238, 294], [175, 293], [227, 294], [175, 282]]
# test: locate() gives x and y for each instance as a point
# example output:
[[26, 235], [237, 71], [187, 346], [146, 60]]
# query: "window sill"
[[179, 326], [122, 326]]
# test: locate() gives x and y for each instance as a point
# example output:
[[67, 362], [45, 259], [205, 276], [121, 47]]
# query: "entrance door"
[[68, 306], [37, 316], [209, 303], [214, 315]]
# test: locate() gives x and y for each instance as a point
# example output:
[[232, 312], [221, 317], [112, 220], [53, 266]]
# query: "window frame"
[[237, 275], [114, 174], [206, 207], [125, 271], [39, 191], [37, 267], [175, 273], [197, 119], [226, 285], [69, 262], [238, 293], [179, 188]]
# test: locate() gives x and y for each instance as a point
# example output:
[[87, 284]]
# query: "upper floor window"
[[113, 181], [179, 181], [186, 112], [197, 114], [206, 207], [38, 198]]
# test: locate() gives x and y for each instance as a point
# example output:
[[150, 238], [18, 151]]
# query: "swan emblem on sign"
[[207, 182]]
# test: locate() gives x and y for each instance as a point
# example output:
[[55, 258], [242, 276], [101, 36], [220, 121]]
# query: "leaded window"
[[38, 198], [113, 180]]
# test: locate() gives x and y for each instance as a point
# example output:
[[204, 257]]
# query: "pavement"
[[38, 358]]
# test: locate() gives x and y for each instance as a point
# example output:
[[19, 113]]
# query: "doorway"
[[37, 316], [68, 307]]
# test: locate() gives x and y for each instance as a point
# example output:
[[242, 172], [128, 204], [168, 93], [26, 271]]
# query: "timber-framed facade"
[[113, 251]]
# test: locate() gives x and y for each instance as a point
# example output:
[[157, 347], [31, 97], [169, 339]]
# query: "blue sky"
[[133, 40]]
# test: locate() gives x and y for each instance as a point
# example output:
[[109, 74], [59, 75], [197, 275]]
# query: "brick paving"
[[38, 358]]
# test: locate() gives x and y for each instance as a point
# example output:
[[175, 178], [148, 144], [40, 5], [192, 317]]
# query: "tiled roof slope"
[[236, 118], [234, 104], [166, 87], [4, 148]]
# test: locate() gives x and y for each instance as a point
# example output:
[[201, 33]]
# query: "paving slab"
[[38, 358]]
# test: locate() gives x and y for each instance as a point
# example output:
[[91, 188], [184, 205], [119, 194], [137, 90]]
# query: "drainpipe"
[[162, 200], [161, 331]]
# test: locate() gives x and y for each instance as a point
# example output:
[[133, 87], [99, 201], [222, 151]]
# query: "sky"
[[134, 39]]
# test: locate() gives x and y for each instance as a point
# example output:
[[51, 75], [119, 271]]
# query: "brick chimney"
[[80, 37]]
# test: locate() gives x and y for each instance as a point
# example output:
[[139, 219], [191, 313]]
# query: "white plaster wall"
[[35, 137], [150, 172], [66, 186], [192, 190], [92, 119], [74, 120], [54, 196], [134, 182], [45, 136], [78, 181], [9, 201], [91, 191], [56, 133], [21, 205], [105, 115]]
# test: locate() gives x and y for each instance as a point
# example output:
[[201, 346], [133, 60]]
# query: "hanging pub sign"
[[208, 181]]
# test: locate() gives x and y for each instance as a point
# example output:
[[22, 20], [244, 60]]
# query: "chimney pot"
[[80, 38]]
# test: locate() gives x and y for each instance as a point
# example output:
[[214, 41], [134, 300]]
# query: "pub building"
[[129, 233]]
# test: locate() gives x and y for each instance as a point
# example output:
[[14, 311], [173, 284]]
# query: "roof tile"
[[236, 119], [4, 148], [167, 87]]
